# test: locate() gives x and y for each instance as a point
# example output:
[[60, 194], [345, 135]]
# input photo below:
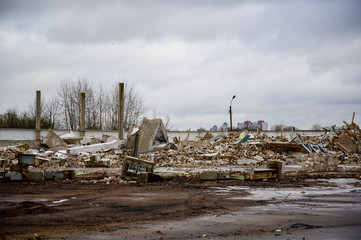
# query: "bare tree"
[[316, 127], [101, 104], [134, 106], [14, 119], [64, 110], [64, 95], [167, 124], [10, 118], [51, 113], [277, 127], [164, 118], [69, 98]]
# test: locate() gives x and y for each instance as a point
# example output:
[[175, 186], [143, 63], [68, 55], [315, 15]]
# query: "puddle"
[[343, 185]]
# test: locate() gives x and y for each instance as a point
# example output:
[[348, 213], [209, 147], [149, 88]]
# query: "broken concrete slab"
[[36, 175], [48, 175], [27, 159], [151, 133], [134, 166], [20, 147], [14, 176], [54, 142], [70, 138], [107, 138], [277, 165], [63, 174], [346, 144], [211, 175], [96, 161], [69, 134], [88, 141], [58, 175], [260, 173], [208, 175], [94, 147]]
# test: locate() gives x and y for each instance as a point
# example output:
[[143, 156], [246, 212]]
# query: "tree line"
[[63, 110]]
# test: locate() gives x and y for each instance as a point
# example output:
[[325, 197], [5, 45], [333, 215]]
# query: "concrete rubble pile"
[[234, 155]]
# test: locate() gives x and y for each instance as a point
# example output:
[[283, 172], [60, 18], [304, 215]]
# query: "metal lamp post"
[[230, 111]]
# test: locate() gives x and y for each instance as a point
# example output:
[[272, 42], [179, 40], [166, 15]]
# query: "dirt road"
[[182, 208]]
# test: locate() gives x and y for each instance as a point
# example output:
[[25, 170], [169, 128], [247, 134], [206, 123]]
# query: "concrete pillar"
[[121, 111], [38, 114], [82, 114]]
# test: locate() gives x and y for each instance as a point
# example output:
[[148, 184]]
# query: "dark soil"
[[35, 211]]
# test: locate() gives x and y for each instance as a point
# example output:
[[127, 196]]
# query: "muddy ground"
[[179, 208]]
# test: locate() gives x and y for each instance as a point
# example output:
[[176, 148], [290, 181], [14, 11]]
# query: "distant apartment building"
[[263, 125], [253, 126]]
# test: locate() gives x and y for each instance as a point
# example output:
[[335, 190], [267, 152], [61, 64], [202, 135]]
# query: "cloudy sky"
[[291, 62]]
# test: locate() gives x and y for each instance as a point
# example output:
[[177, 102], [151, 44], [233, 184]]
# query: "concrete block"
[[134, 166], [260, 173], [48, 175], [35, 175], [27, 159], [14, 176], [212, 175], [94, 148], [62, 174], [279, 166], [97, 161], [208, 176], [58, 175]]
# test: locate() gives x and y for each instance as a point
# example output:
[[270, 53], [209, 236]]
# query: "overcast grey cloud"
[[296, 62]]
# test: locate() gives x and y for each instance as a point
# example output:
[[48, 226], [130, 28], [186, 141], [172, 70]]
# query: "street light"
[[230, 110]]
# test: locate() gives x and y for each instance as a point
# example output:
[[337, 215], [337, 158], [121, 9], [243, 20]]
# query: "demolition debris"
[[229, 156]]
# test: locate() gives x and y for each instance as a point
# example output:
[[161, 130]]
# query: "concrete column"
[[121, 111], [38, 114], [82, 114]]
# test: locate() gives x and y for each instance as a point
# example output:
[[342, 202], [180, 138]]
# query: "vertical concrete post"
[[82, 114], [121, 111], [136, 144], [38, 114]]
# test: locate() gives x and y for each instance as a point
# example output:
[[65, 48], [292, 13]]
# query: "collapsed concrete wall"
[[151, 133], [54, 142]]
